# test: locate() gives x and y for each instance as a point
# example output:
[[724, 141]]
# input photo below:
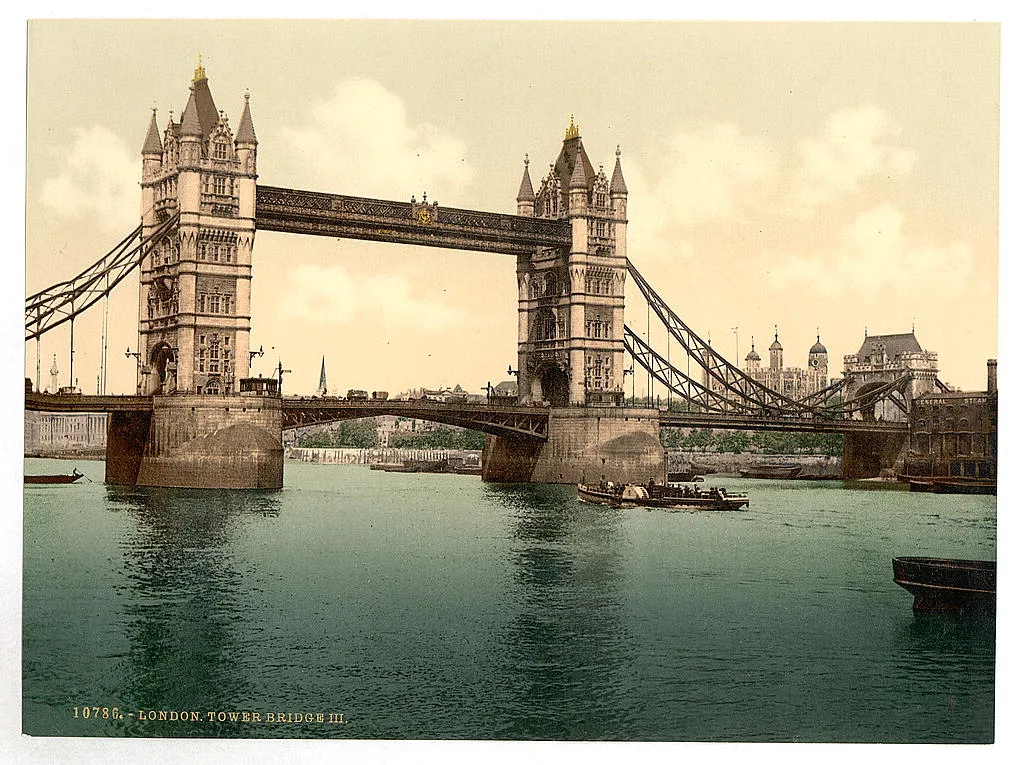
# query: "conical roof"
[[579, 175], [526, 185], [190, 125], [618, 184], [152, 144], [246, 132]]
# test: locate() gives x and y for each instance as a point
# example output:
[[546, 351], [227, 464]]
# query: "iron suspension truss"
[[739, 392], [737, 384], [689, 390], [65, 300]]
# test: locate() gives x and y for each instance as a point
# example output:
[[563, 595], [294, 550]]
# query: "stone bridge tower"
[[194, 288], [571, 301], [883, 359]]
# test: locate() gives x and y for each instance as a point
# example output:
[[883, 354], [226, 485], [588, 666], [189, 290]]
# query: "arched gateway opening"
[[554, 385]]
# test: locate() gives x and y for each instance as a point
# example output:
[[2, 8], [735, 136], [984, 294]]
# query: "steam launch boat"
[[945, 585], [672, 497]]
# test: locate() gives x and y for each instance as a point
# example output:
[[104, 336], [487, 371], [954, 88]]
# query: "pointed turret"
[[190, 125], [618, 184], [246, 132], [526, 196], [579, 174], [775, 352], [152, 146]]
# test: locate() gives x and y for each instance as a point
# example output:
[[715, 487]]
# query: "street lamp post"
[[128, 353], [255, 353]]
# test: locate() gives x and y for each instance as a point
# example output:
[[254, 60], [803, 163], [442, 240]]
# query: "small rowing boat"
[[54, 479]]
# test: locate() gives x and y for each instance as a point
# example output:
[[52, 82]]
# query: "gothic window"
[[550, 284], [202, 359], [220, 185], [220, 150]]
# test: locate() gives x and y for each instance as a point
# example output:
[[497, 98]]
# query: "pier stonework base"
[[868, 455], [127, 433], [583, 446], [213, 442]]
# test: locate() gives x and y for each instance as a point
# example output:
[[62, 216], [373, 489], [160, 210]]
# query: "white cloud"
[[873, 255], [855, 146], [331, 295], [712, 174], [99, 181], [361, 139]]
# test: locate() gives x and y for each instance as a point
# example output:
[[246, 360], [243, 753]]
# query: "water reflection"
[[182, 601], [566, 647]]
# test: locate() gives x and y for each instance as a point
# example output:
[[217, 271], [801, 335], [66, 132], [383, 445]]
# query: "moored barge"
[[948, 585]]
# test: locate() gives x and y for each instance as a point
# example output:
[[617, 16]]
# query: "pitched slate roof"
[[894, 345]]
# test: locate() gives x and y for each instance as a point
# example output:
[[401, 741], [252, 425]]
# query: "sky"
[[824, 178]]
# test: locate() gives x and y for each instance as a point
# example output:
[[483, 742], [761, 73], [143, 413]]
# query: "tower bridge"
[[195, 423]]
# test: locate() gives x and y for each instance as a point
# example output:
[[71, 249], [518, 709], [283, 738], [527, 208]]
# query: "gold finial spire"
[[573, 130], [200, 73]]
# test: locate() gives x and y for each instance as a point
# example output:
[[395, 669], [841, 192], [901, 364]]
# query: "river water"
[[370, 605]]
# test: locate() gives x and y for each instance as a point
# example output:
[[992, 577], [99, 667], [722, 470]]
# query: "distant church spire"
[[322, 388]]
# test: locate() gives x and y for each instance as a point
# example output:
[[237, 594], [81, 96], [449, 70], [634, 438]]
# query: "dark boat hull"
[[944, 585], [596, 495], [943, 486], [772, 471], [52, 479], [695, 503]]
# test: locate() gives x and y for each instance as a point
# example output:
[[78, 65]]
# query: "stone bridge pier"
[[201, 442], [583, 445], [868, 455]]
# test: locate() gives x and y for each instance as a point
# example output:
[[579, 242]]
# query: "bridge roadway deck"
[[529, 421], [795, 424], [46, 402], [498, 420]]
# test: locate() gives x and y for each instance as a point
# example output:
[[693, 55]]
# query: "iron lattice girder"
[[748, 395], [894, 391], [516, 421], [749, 392], [795, 423], [712, 402], [321, 214], [675, 380], [65, 300]]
